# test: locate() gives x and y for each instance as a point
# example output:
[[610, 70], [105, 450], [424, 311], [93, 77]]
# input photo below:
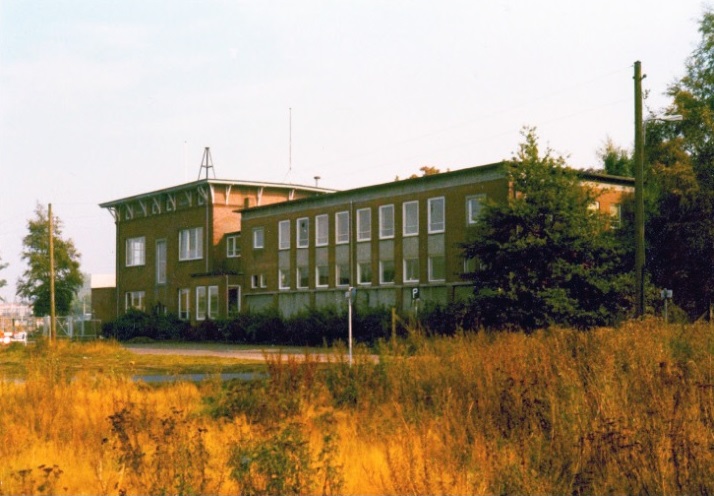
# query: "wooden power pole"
[[639, 196], [53, 320]]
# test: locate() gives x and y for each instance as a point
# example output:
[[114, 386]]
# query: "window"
[[364, 273], [303, 232], [470, 266], [321, 230], [284, 235], [322, 276], [410, 214], [184, 305], [342, 228], [303, 278], [161, 261], [473, 208], [364, 224], [232, 247], [135, 251], [437, 221], [411, 270], [386, 221], [258, 237], [135, 300], [201, 303], [191, 244], [257, 281], [284, 278], [342, 274], [212, 302], [386, 272], [437, 268], [616, 213]]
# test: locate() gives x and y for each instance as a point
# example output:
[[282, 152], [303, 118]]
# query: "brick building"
[[178, 249], [391, 241], [209, 248]]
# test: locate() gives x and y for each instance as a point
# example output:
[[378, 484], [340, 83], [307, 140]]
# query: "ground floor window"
[[184, 303], [233, 300], [135, 300]]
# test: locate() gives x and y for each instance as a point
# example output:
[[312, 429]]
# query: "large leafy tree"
[[544, 256], [34, 285], [680, 230]]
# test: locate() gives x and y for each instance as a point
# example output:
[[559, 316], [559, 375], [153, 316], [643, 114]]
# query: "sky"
[[100, 100]]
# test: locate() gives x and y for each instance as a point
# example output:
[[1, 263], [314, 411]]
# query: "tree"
[[680, 229], [3, 282], [544, 256], [616, 161], [34, 285]]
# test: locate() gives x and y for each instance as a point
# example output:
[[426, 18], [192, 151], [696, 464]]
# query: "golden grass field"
[[626, 411]]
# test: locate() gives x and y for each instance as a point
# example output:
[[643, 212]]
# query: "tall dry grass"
[[628, 410]]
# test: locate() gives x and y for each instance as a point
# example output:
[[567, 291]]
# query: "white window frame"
[[184, 294], [360, 273], [284, 235], [386, 224], [258, 238], [191, 244], [326, 273], [232, 246], [342, 228], [382, 268], [364, 216], [322, 230], [338, 274], [299, 272], [436, 278], [436, 225], [616, 215], [136, 251], [201, 302], [257, 281], [213, 302], [410, 229], [283, 278], [405, 276], [303, 232], [161, 261], [471, 202], [135, 300]]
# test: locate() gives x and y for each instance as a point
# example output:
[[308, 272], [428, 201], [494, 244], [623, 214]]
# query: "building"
[[210, 248], [178, 249], [397, 242]]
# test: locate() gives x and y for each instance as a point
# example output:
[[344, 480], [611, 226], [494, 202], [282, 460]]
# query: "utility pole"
[[639, 196], [53, 319]]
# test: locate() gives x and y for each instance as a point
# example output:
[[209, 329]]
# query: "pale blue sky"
[[100, 100]]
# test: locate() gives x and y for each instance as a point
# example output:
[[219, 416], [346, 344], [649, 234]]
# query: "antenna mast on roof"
[[206, 163]]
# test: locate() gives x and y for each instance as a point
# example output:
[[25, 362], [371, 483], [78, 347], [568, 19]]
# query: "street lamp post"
[[639, 160]]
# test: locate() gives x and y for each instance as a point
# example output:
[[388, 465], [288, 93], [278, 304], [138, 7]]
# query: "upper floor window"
[[258, 237], [437, 268], [342, 227], [410, 218], [303, 232], [386, 221], [161, 261], [473, 208], [135, 251], [437, 215], [284, 235], [364, 224], [232, 247], [321, 228], [191, 244]]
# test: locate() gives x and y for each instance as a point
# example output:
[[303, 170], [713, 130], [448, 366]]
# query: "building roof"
[[193, 184], [458, 177]]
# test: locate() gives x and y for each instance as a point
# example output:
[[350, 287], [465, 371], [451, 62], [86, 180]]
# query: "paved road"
[[256, 354]]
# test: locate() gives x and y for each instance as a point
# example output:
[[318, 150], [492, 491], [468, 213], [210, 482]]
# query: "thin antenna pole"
[[206, 163], [290, 141], [53, 318]]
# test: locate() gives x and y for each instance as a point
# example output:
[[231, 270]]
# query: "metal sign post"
[[350, 295]]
